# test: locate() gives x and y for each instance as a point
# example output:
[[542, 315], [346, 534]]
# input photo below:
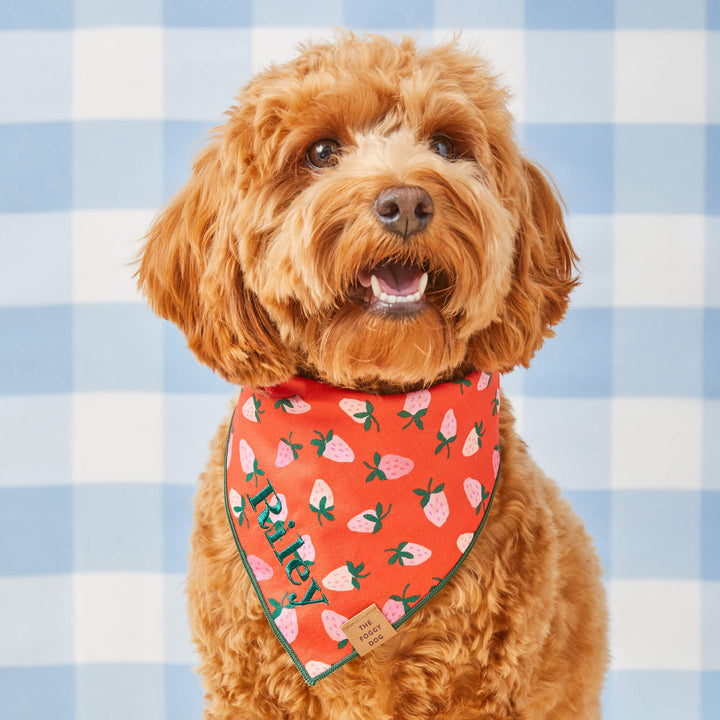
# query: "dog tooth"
[[423, 284], [375, 286]]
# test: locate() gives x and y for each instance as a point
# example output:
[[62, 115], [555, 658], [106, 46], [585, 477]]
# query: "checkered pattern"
[[102, 105]]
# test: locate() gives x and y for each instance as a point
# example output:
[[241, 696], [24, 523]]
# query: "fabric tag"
[[368, 630]]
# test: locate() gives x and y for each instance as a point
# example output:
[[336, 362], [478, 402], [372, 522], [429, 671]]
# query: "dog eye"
[[324, 153], [443, 146]]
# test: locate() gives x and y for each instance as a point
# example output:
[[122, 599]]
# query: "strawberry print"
[[476, 494], [376, 504], [237, 504], [496, 402], [249, 462], [332, 447], [251, 409], [407, 553], [315, 668], [361, 412], [294, 405], [398, 605], [388, 467], [321, 501], [473, 442], [447, 433], [261, 570], [369, 521], [332, 622], [347, 577], [285, 619], [463, 541], [307, 551], [415, 408], [287, 451], [434, 503]]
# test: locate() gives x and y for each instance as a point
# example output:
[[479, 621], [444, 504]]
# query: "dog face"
[[365, 217]]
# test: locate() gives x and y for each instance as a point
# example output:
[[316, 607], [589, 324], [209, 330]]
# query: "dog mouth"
[[395, 288]]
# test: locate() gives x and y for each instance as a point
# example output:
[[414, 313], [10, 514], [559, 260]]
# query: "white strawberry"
[[415, 407], [261, 570], [251, 409], [332, 447], [473, 442], [237, 502], [368, 521], [448, 432], [332, 622], [287, 451], [483, 380], [463, 542], [307, 550], [361, 412], [496, 460], [475, 493], [315, 668], [434, 503], [321, 501], [388, 467], [345, 578], [294, 405], [407, 553]]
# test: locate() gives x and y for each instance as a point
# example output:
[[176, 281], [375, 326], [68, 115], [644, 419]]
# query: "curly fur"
[[257, 260]]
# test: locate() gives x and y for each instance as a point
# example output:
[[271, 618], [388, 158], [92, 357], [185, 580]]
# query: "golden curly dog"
[[367, 157]]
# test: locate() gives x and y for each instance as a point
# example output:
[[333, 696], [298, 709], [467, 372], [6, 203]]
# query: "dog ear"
[[543, 277], [190, 273]]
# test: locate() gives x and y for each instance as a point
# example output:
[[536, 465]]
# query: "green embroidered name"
[[296, 568]]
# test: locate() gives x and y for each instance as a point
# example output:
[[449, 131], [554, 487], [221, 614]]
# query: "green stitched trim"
[[268, 611]]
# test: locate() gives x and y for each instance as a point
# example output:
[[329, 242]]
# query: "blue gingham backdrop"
[[105, 417]]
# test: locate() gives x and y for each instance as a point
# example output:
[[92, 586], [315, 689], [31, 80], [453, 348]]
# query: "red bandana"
[[341, 501]]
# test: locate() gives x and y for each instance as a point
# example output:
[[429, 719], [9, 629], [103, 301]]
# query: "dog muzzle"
[[351, 511]]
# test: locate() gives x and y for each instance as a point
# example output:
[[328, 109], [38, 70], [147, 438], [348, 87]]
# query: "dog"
[[365, 223]]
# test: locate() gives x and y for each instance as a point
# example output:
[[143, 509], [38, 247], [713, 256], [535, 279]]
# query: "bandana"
[[345, 503]]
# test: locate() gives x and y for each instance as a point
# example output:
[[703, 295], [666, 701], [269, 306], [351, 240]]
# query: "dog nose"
[[405, 209]]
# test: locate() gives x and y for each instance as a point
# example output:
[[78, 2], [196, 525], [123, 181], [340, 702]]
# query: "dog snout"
[[404, 209]]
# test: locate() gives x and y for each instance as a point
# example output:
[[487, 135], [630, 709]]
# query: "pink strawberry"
[[447, 433], [368, 521], [282, 515], [315, 668], [496, 460], [345, 578], [307, 551], [415, 407], [251, 409], [476, 494], [228, 453], [294, 405], [473, 442], [332, 447], [388, 467], [287, 451], [463, 542], [407, 553], [332, 623], [249, 462], [393, 610], [361, 412], [285, 619], [321, 501], [398, 605], [261, 570], [483, 380], [434, 503]]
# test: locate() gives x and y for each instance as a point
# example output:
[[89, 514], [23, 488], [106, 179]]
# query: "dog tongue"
[[394, 278]]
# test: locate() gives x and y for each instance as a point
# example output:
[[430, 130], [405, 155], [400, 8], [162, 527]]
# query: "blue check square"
[[711, 535], [461, 14], [711, 352], [383, 15], [570, 14], [290, 13], [177, 520], [22, 701], [36, 14], [712, 170], [209, 13], [93, 13], [660, 14], [182, 140], [654, 695]]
